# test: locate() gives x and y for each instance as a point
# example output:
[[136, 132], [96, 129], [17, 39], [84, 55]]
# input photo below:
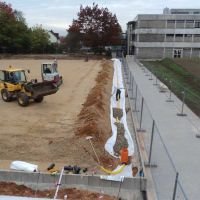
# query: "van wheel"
[[6, 95], [39, 99], [22, 99]]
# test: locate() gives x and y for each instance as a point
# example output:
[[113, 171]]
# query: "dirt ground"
[[72, 193], [47, 132]]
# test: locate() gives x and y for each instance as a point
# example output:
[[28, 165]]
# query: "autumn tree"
[[95, 27], [14, 33]]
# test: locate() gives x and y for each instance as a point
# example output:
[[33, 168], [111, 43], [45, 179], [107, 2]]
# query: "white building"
[[173, 34], [54, 37]]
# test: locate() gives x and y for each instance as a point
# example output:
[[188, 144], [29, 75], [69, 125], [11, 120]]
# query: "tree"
[[6, 8], [73, 39], [14, 33], [95, 27], [39, 39]]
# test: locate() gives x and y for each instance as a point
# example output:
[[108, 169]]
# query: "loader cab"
[[50, 72], [13, 76], [11, 81], [49, 68]]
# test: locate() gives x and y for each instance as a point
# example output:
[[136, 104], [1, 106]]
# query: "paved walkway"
[[179, 135]]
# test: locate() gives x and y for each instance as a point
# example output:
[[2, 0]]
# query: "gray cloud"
[[58, 14]]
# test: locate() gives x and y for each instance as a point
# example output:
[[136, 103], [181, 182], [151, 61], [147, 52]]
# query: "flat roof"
[[168, 17], [12, 69]]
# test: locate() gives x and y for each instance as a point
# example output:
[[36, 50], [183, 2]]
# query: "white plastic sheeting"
[[127, 172], [118, 84], [23, 166]]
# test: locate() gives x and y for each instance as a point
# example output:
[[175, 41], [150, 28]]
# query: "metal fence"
[[159, 159]]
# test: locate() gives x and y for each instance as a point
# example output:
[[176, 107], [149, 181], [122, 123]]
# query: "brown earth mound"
[[13, 189], [94, 118]]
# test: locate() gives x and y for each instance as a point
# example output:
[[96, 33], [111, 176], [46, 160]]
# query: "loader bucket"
[[41, 89]]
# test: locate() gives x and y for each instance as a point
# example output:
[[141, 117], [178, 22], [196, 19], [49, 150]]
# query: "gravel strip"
[[121, 141], [117, 113]]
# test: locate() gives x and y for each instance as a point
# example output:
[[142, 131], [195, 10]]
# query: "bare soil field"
[[54, 131], [72, 193]]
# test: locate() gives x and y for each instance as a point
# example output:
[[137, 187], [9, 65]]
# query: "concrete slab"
[[177, 132]]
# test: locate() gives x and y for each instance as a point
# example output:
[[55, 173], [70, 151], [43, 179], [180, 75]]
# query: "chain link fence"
[[165, 175]]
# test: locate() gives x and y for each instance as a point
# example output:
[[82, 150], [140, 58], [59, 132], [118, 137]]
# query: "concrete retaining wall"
[[136, 183]]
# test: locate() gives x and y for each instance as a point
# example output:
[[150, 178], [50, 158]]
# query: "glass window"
[[170, 35], [188, 35], [171, 21], [197, 24], [179, 35], [190, 21], [178, 53], [20, 75]]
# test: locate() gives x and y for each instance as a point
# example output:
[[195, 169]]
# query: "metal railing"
[[164, 173]]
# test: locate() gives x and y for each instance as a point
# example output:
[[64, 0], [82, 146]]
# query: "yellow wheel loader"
[[14, 85]]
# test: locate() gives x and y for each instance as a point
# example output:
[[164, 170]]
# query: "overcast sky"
[[58, 14]]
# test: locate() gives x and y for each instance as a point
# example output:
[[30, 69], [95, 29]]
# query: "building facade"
[[173, 34], [54, 37]]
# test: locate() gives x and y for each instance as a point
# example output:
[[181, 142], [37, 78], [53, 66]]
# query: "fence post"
[[147, 73], [132, 88], [149, 163], [156, 83], [152, 134], [151, 76], [170, 93], [175, 187], [140, 128], [129, 76], [130, 85], [183, 103], [135, 106], [127, 79]]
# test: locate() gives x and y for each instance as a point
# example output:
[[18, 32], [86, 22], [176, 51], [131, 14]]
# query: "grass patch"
[[182, 80]]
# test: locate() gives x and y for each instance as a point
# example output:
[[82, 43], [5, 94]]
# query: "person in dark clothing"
[[47, 71], [13, 78], [118, 94]]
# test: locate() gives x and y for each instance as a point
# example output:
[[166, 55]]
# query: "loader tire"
[[5, 95], [39, 99], [22, 99]]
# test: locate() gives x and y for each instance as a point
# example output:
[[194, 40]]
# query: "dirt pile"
[[94, 118], [13, 189]]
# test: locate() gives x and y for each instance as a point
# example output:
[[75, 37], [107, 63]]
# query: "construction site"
[[96, 130], [78, 131], [90, 109]]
